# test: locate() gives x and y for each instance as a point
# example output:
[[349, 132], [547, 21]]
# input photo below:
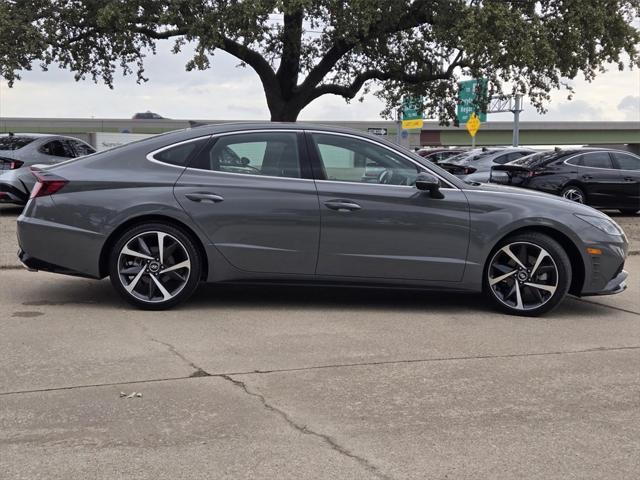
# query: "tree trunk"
[[287, 113]]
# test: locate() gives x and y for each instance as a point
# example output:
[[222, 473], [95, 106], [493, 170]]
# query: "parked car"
[[476, 166], [170, 211], [19, 152], [437, 155], [602, 178], [147, 116]]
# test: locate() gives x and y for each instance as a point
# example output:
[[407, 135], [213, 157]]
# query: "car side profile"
[[18, 152], [602, 178], [295, 203]]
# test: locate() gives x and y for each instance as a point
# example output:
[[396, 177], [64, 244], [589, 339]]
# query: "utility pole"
[[517, 108]]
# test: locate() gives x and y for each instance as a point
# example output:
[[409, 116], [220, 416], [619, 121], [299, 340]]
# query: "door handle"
[[587, 177], [342, 205], [204, 197], [629, 179]]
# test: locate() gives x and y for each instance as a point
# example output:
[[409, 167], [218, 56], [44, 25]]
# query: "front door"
[[375, 223], [251, 193]]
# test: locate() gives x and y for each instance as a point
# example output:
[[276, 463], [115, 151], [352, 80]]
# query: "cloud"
[[630, 106]]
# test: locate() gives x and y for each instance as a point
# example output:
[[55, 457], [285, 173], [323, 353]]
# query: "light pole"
[[517, 108]]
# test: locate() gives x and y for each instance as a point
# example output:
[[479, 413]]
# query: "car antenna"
[[11, 134], [558, 149]]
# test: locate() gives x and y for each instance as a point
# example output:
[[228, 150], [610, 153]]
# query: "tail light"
[[48, 184], [8, 164]]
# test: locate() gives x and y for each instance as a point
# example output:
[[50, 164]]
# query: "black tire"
[[183, 250], [629, 211], [528, 245], [574, 193]]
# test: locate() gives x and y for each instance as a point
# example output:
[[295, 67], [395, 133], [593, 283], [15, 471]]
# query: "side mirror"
[[428, 182], [245, 161]]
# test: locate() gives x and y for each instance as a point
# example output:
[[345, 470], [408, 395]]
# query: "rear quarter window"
[[179, 155]]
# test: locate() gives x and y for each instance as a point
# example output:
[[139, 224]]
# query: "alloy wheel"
[[523, 276], [574, 195], [154, 266]]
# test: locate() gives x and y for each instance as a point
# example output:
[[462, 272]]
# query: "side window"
[[56, 148], [82, 148], [502, 159], [273, 154], [179, 154], [347, 159], [596, 160], [625, 161]]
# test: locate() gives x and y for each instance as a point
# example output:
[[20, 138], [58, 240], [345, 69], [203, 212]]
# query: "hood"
[[567, 204]]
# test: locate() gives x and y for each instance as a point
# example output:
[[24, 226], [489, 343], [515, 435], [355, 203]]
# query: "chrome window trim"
[[596, 168], [151, 155], [420, 166]]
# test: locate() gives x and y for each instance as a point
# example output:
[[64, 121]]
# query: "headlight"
[[604, 224]]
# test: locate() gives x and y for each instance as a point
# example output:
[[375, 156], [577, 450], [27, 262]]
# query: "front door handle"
[[587, 177], [342, 205], [204, 197], [629, 179]]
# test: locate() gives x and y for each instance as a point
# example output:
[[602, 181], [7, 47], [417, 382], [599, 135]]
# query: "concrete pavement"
[[308, 383]]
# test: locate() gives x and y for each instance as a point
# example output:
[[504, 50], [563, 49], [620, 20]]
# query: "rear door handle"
[[342, 205], [204, 197], [629, 179], [587, 177]]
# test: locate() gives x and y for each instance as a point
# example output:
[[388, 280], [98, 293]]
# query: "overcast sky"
[[230, 93]]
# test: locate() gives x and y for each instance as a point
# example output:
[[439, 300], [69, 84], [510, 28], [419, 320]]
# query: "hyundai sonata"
[[295, 203]]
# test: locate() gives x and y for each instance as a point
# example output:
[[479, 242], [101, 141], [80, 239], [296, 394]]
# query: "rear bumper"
[[34, 265], [11, 194]]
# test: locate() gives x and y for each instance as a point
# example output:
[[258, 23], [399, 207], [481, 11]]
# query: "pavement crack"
[[304, 429], [198, 371]]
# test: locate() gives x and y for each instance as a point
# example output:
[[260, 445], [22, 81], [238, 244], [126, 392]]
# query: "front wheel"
[[155, 266], [527, 274]]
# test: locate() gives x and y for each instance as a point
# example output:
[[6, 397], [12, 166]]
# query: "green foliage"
[[303, 49]]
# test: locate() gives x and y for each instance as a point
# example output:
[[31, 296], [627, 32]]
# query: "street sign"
[[411, 124], [473, 124], [467, 97], [377, 131], [411, 112]]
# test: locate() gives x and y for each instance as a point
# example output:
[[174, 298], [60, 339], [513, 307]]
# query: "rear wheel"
[[629, 211], [155, 266], [527, 274], [574, 194]]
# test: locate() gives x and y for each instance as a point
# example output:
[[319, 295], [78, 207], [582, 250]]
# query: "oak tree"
[[304, 49]]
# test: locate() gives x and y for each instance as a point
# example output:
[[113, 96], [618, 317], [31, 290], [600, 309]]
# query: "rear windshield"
[[14, 142], [465, 158], [538, 159]]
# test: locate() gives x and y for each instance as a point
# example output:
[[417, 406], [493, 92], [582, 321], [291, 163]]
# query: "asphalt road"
[[314, 383]]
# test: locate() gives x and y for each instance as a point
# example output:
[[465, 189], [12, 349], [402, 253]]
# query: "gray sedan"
[[19, 152], [294, 203]]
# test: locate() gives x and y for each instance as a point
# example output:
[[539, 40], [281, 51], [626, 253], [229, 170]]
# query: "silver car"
[[475, 166], [292, 203], [19, 152]]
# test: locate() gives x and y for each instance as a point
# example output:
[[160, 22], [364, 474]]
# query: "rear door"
[[375, 223], [628, 166], [603, 184], [252, 194]]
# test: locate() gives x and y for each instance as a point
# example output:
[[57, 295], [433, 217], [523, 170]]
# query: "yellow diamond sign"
[[411, 124], [473, 125]]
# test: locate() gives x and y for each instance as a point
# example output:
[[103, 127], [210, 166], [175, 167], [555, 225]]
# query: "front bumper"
[[615, 285]]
